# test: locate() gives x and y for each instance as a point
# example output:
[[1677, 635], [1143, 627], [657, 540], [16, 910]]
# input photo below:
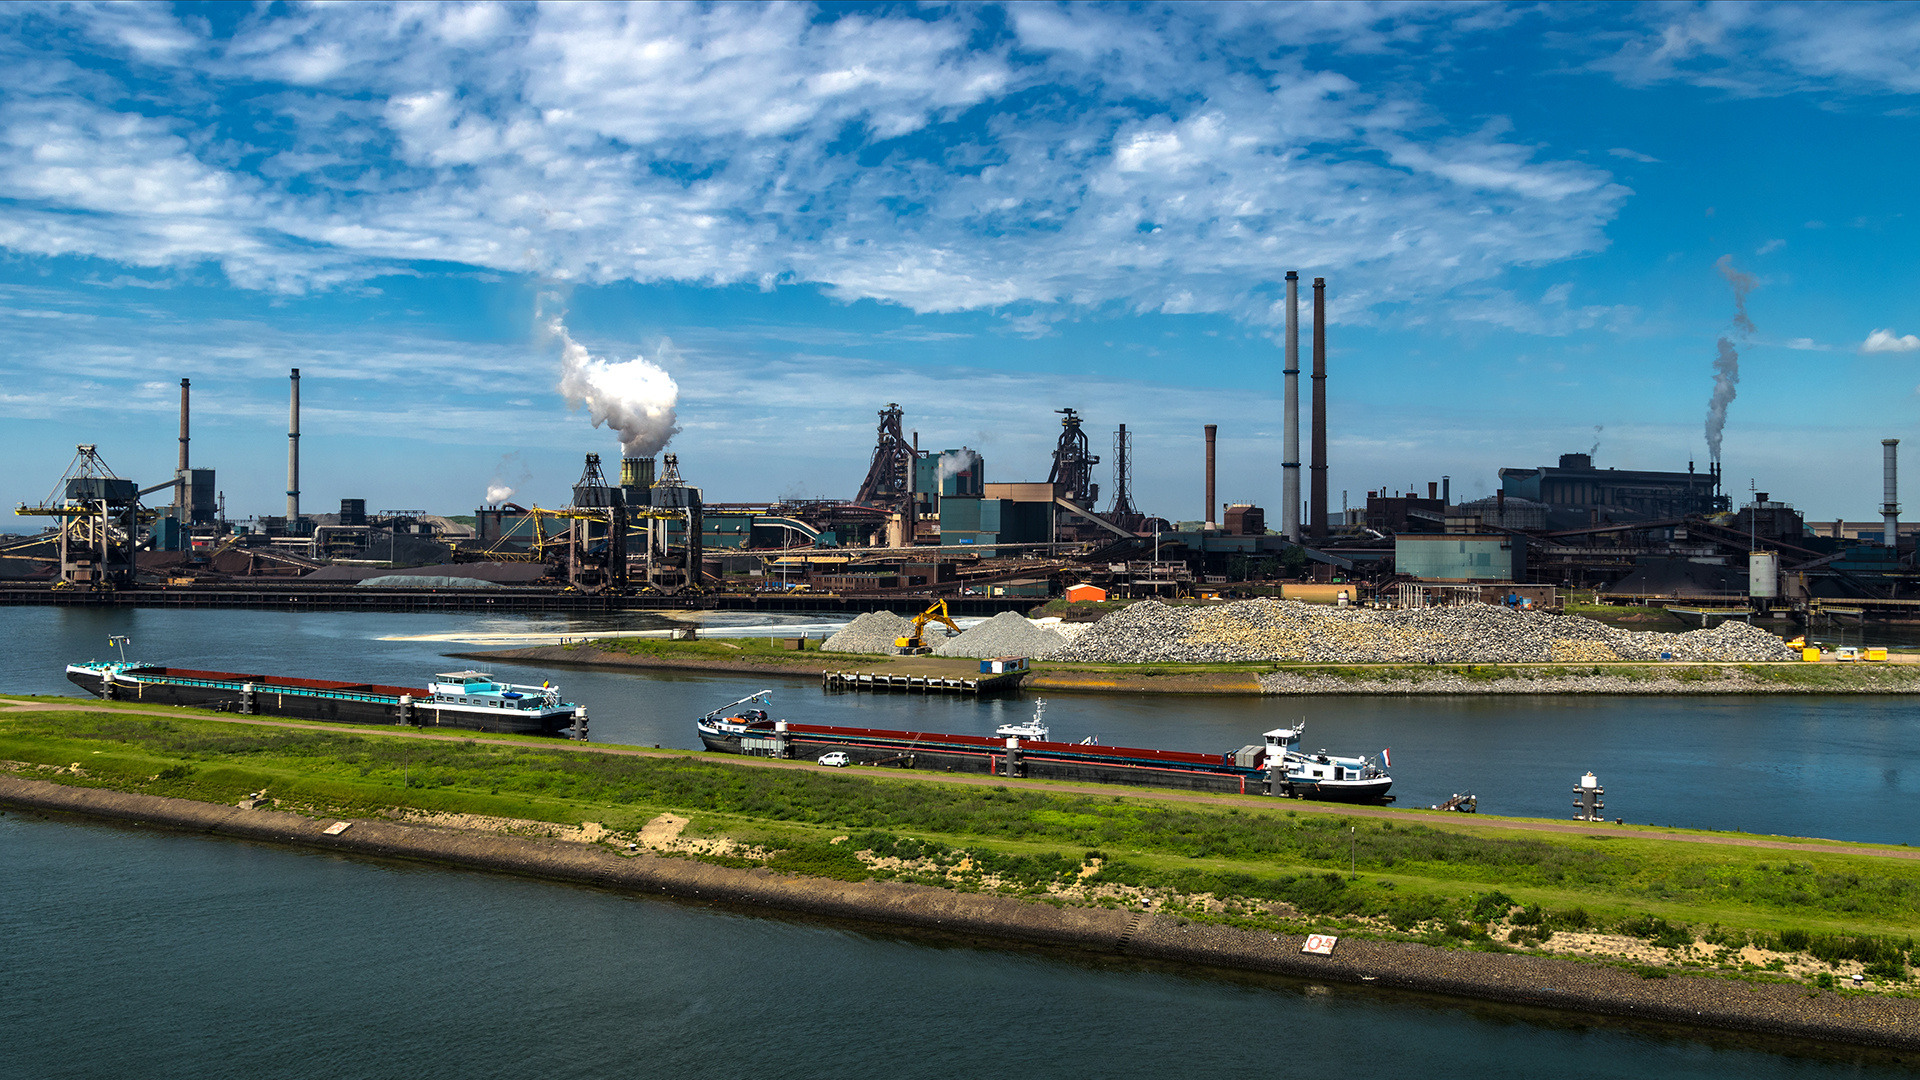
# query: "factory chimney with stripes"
[[1290, 467], [1317, 511], [293, 453]]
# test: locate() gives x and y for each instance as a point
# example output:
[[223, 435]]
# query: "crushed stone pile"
[[873, 632], [1252, 631], [1006, 634]]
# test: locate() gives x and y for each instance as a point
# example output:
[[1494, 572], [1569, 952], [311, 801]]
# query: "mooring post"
[[1013, 755], [246, 699]]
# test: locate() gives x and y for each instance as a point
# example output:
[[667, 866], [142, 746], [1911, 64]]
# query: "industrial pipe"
[[1208, 518], [293, 453], [182, 488], [1890, 506], [1317, 477], [1290, 468]]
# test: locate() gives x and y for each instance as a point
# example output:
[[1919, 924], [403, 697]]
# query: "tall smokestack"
[[1290, 468], [1212, 429], [182, 489], [1890, 507], [293, 452], [1317, 476]]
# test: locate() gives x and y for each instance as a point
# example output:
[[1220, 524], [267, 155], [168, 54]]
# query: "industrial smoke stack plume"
[[956, 462], [635, 398], [1726, 366]]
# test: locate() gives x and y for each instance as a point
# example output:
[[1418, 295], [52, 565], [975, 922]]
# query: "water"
[[1832, 766], [146, 954]]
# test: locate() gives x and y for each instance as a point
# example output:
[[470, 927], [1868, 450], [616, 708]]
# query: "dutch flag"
[[1386, 756]]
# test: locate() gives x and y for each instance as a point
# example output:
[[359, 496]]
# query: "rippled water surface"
[[1840, 767], [156, 955]]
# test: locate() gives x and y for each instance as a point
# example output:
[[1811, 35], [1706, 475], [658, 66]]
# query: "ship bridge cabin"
[[479, 688]]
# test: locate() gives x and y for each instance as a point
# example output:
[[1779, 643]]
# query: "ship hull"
[[1036, 761], [300, 703]]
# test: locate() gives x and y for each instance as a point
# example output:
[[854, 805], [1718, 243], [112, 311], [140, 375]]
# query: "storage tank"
[[1763, 574]]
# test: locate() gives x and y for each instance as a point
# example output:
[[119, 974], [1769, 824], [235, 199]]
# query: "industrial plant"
[[927, 522]]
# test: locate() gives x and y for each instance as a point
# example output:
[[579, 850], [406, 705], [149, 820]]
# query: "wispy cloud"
[[1634, 155], [1886, 341], [1162, 159]]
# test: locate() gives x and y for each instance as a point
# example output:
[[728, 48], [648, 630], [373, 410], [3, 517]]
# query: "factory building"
[[1451, 557], [1576, 491]]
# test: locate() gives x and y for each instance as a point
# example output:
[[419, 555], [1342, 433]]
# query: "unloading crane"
[[914, 646]]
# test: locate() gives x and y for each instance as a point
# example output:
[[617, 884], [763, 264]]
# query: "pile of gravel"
[[873, 632], [1291, 631], [1006, 634]]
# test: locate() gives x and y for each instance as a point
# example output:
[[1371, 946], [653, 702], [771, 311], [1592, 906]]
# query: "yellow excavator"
[[914, 646]]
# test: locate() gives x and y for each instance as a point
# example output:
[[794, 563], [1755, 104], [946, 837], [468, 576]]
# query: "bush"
[[821, 860], [1490, 906]]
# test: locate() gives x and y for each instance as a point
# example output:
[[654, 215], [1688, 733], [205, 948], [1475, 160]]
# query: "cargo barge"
[[1275, 767], [467, 700]]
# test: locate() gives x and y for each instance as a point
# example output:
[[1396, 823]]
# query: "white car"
[[837, 759]]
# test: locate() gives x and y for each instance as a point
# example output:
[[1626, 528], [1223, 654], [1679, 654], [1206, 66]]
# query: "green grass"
[[1425, 874], [755, 650]]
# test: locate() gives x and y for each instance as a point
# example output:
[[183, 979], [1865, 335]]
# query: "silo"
[[1763, 575]]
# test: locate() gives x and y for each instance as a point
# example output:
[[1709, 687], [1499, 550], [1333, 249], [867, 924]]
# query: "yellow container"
[[1811, 656], [1876, 654]]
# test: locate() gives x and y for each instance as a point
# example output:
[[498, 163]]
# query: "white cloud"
[[1886, 341], [1634, 155], [1752, 50], [1162, 159], [1769, 247]]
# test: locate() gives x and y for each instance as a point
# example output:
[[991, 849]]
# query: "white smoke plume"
[[635, 398], [1726, 366], [1595, 448], [498, 489], [955, 462]]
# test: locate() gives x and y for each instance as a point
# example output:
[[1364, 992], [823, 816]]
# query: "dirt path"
[[11, 705]]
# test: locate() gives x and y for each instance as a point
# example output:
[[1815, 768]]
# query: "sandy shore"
[[1792, 1011]]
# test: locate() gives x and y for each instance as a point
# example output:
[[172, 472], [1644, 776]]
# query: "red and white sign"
[[1319, 944]]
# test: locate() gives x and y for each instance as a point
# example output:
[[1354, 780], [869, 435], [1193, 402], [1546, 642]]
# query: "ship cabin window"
[[495, 704], [1319, 773], [1339, 772]]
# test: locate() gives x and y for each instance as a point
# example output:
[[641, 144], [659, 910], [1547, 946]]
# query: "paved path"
[[11, 705]]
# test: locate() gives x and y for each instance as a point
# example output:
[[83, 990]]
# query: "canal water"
[[142, 954], [163, 955], [1842, 767]]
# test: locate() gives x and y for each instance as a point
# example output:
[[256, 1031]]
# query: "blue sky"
[[983, 213]]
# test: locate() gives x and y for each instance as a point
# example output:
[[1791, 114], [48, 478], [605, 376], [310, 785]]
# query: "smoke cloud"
[[955, 462], [1595, 448], [498, 489], [1726, 365], [635, 398]]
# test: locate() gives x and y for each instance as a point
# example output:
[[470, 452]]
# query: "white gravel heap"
[[873, 632], [1251, 631], [1006, 634]]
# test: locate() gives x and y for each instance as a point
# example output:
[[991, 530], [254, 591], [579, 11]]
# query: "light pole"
[[122, 641]]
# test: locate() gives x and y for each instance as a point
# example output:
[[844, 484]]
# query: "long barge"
[[1275, 767], [467, 700]]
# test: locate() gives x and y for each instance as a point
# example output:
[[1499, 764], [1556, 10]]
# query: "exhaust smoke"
[[635, 398], [1726, 365]]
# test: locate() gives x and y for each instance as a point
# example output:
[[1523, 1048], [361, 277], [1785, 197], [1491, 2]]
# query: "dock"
[[843, 681]]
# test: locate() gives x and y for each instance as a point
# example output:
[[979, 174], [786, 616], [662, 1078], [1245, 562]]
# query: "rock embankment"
[[872, 632], [1006, 634], [1288, 631]]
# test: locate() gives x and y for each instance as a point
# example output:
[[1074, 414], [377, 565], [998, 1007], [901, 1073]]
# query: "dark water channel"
[[141, 954], [132, 953], [1830, 766]]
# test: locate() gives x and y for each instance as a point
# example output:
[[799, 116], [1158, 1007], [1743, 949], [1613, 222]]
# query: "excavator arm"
[[936, 612]]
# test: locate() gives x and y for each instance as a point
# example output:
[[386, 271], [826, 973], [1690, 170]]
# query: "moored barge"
[[467, 700], [1275, 767]]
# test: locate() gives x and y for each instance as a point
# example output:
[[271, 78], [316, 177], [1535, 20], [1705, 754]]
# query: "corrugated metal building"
[[1452, 557]]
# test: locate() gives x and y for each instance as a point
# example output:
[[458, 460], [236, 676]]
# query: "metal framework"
[[889, 479], [1122, 477], [99, 519], [1072, 464]]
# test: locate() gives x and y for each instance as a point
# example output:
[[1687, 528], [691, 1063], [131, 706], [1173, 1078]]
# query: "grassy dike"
[[1652, 901]]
